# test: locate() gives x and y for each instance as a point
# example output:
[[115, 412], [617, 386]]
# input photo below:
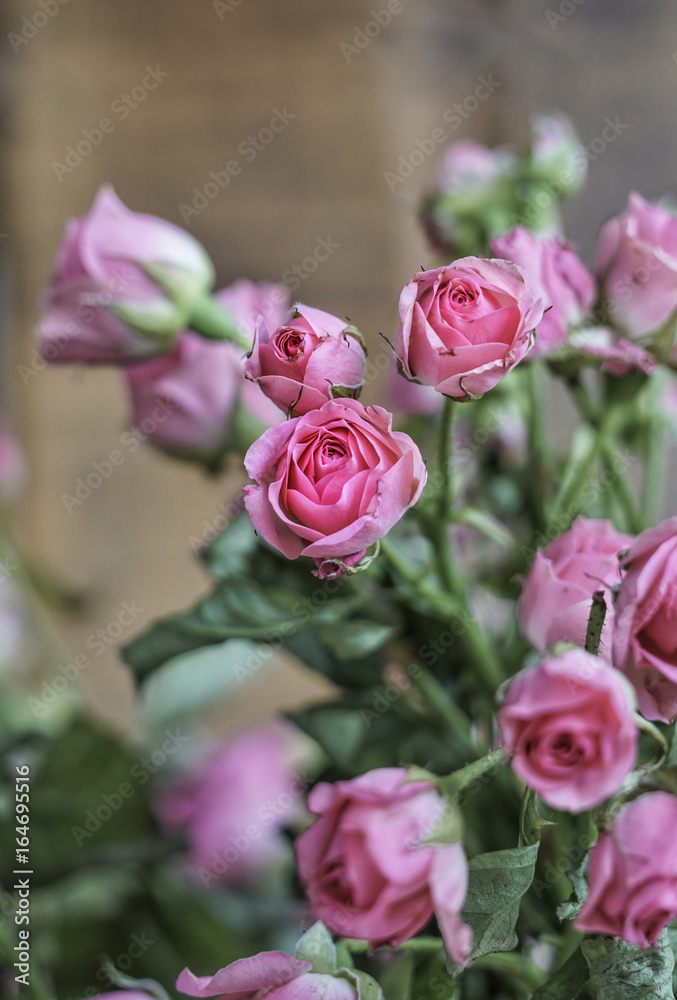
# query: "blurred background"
[[189, 87]]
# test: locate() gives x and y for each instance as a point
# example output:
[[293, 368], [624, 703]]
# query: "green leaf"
[[621, 971], [188, 684], [337, 728], [449, 827], [396, 981], [317, 947], [497, 881], [578, 878], [367, 988], [231, 553], [357, 637], [568, 981]]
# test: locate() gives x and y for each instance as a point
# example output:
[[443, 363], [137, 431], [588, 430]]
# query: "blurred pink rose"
[[299, 364], [409, 399], [569, 723], [556, 153], [645, 638], [184, 402], [637, 264], [633, 873], [248, 301], [234, 805], [332, 482], [557, 276], [123, 287], [469, 165], [365, 871], [619, 357], [465, 326], [13, 468], [557, 594], [270, 974]]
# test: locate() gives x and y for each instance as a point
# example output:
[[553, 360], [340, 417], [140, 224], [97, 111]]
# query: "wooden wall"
[[322, 177]]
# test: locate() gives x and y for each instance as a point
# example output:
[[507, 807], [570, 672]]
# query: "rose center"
[[461, 295], [566, 749], [289, 343]]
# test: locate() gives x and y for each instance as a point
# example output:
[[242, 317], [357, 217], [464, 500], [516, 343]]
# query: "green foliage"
[[621, 971]]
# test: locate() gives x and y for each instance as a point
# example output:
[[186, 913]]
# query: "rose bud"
[[569, 723], [557, 276], [249, 301], [330, 483], [645, 638], [619, 357], [554, 156], [632, 874], [123, 288], [366, 871], [311, 358], [194, 402], [637, 264], [465, 326], [557, 595], [220, 800]]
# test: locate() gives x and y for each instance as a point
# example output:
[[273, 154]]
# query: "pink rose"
[[553, 153], [365, 871], [249, 301], [219, 804], [466, 325], [557, 275], [270, 974], [469, 166], [569, 723], [123, 288], [13, 469], [645, 639], [305, 359], [557, 595], [637, 263], [619, 357], [184, 402], [633, 873], [331, 483]]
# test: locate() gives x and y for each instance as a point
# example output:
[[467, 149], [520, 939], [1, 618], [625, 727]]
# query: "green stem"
[[445, 707], [654, 474], [537, 445], [456, 782], [422, 944], [212, 321], [445, 500], [398, 564]]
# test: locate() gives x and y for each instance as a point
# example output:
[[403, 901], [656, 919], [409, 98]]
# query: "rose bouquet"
[[492, 812]]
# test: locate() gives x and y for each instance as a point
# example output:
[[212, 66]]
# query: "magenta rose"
[[223, 804], [558, 277], [365, 871], [329, 484], [123, 288], [465, 326], [310, 358], [637, 264], [569, 724], [270, 974], [633, 873], [557, 595], [187, 401], [645, 638]]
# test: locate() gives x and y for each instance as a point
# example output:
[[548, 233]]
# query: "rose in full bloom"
[[123, 287], [329, 484], [632, 875], [557, 275], [365, 871], [220, 800], [645, 638], [187, 402], [557, 595], [569, 723], [272, 975], [637, 264], [466, 325], [308, 359]]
